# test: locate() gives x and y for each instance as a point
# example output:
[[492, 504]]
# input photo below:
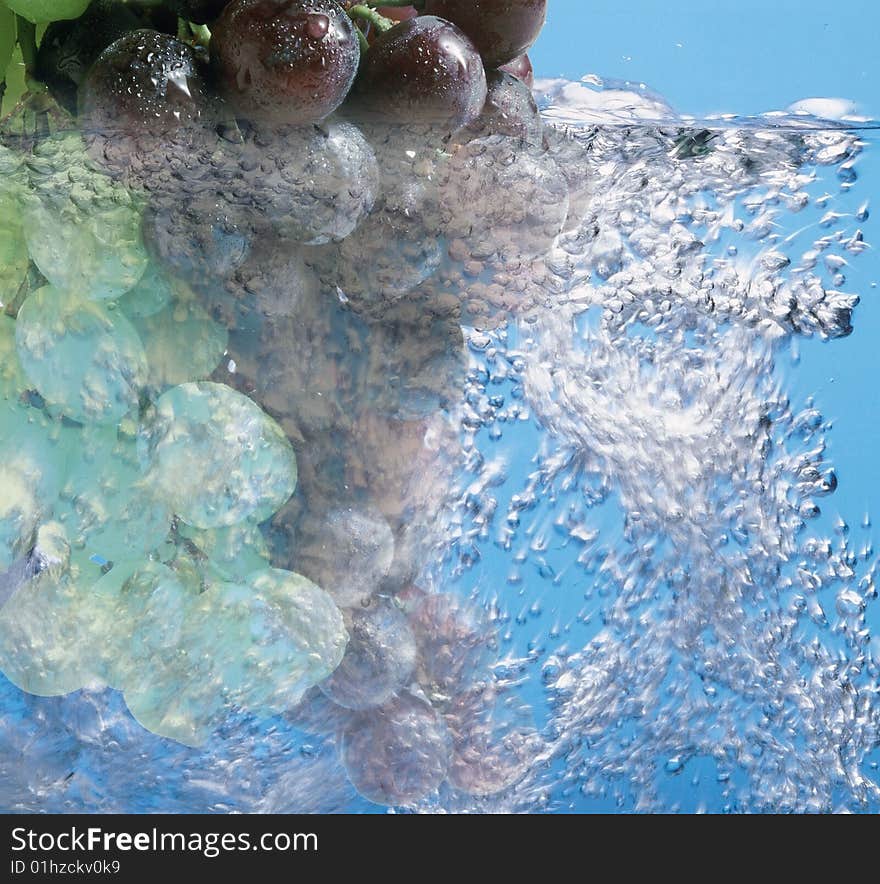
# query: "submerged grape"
[[215, 457]]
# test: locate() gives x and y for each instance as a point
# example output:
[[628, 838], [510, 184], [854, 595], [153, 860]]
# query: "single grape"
[[493, 740], [215, 457], [69, 48], [272, 638], [454, 648], [423, 70], [380, 656], [309, 184], [83, 230], [154, 290], [503, 201], [84, 359], [38, 11], [510, 110], [200, 239], [144, 82], [521, 68], [182, 343], [156, 638], [501, 29], [46, 642], [346, 551], [107, 508], [396, 754], [284, 61]]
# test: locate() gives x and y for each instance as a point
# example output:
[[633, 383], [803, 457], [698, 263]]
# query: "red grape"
[[423, 70], [521, 68], [501, 29], [285, 61], [143, 82], [510, 110]]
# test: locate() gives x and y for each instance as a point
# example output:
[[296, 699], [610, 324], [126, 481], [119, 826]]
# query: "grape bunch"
[[232, 298]]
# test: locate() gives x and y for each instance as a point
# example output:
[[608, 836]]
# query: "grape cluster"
[[234, 300]]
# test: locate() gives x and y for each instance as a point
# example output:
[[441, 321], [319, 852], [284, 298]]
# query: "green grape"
[[13, 249], [47, 644], [38, 11], [215, 456], [13, 382], [182, 342], [156, 652], [32, 460], [274, 636], [154, 290], [105, 504], [83, 358], [83, 230]]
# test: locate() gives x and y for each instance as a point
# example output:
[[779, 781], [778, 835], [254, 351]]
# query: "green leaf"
[[38, 11], [7, 38]]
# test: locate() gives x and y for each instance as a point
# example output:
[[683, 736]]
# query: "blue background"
[[704, 56]]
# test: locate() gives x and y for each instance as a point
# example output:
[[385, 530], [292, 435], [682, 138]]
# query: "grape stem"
[[201, 35], [27, 41], [362, 40], [379, 22]]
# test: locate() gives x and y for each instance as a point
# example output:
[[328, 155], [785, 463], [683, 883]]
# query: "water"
[[596, 543]]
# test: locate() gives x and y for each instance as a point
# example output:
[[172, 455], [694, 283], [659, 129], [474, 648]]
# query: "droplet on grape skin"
[[215, 456], [380, 656], [84, 359], [397, 754]]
